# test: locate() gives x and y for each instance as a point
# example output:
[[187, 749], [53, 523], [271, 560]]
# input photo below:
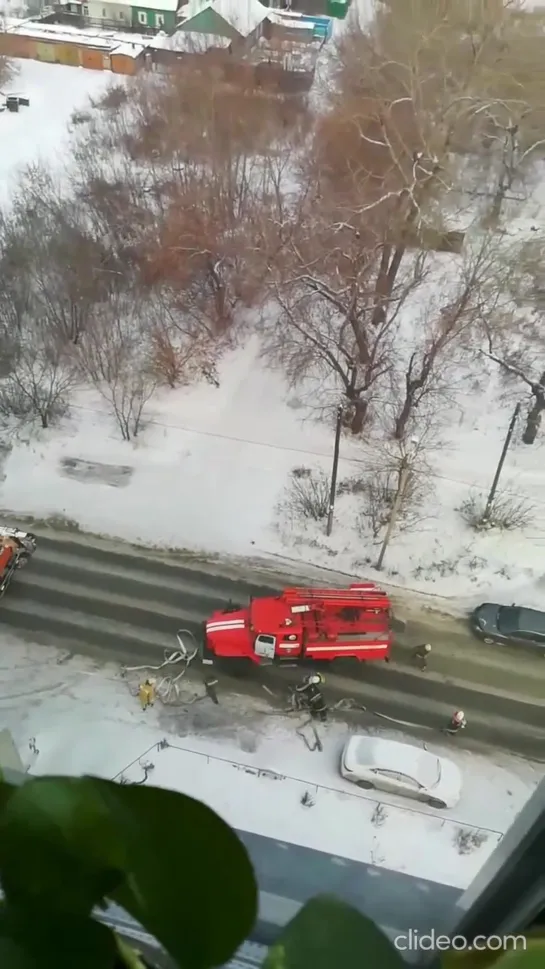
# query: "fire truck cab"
[[319, 624]]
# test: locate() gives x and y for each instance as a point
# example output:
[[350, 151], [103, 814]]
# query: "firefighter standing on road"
[[310, 693], [458, 721], [146, 694], [421, 654]]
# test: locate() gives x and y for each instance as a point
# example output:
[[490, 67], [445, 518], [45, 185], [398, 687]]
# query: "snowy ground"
[[40, 131], [249, 434], [69, 716]]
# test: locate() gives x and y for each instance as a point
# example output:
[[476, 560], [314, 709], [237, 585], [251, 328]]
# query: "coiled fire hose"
[[167, 688]]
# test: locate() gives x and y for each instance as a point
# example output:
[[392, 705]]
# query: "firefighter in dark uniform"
[[312, 697]]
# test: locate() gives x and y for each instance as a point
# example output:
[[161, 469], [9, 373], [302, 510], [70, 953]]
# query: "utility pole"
[[334, 470], [501, 462], [404, 472]]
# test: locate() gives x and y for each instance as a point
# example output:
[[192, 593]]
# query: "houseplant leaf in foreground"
[[189, 879], [518, 957], [59, 848], [38, 940], [328, 934]]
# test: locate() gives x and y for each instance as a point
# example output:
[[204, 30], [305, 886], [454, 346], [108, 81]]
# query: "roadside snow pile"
[[259, 776]]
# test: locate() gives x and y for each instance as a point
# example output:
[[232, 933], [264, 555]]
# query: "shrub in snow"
[[377, 495], [507, 512], [40, 383], [379, 816], [467, 840], [115, 355], [306, 496]]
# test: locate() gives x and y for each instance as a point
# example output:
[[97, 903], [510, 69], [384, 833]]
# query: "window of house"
[[85, 11], [142, 17], [104, 13], [159, 20]]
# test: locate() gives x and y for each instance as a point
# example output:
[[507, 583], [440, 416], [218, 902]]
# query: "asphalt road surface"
[[95, 599], [288, 875]]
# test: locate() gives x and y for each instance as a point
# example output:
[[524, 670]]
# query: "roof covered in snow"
[[189, 41], [169, 6], [243, 15]]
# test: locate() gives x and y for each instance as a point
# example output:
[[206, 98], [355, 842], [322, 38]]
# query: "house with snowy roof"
[[240, 21], [150, 14]]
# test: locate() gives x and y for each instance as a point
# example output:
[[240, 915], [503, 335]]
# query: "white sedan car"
[[387, 765]]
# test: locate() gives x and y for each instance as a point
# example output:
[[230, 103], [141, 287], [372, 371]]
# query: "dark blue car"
[[510, 626]]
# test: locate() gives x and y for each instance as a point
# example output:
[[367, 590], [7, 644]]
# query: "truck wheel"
[[435, 803], [366, 785], [238, 667], [348, 666]]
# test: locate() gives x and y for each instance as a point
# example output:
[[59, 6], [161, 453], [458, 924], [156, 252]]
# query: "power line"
[[358, 463]]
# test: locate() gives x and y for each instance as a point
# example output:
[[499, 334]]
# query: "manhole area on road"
[[93, 472]]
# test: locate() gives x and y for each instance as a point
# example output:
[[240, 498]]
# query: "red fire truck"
[[319, 624]]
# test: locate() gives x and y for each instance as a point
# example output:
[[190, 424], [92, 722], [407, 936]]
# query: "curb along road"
[[114, 602]]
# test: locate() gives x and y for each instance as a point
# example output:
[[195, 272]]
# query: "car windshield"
[[508, 620]]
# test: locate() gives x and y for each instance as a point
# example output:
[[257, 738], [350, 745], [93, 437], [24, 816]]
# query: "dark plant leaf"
[[533, 957], [483, 959], [189, 879], [530, 955], [58, 846], [328, 934], [6, 790], [38, 940]]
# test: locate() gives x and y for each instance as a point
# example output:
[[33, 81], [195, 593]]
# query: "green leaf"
[[58, 846], [189, 879], [482, 959], [328, 934], [532, 956], [37, 940]]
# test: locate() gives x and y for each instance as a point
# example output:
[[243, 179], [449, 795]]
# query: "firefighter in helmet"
[[422, 654], [458, 721], [312, 697]]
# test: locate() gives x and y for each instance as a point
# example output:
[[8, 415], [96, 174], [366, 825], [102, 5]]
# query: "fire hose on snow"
[[167, 688], [348, 703]]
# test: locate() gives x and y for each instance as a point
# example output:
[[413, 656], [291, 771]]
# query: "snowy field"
[[40, 132], [211, 467], [68, 716]]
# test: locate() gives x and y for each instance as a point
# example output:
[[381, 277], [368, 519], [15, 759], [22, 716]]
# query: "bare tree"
[[536, 387], [115, 354], [450, 326], [51, 266], [42, 379]]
